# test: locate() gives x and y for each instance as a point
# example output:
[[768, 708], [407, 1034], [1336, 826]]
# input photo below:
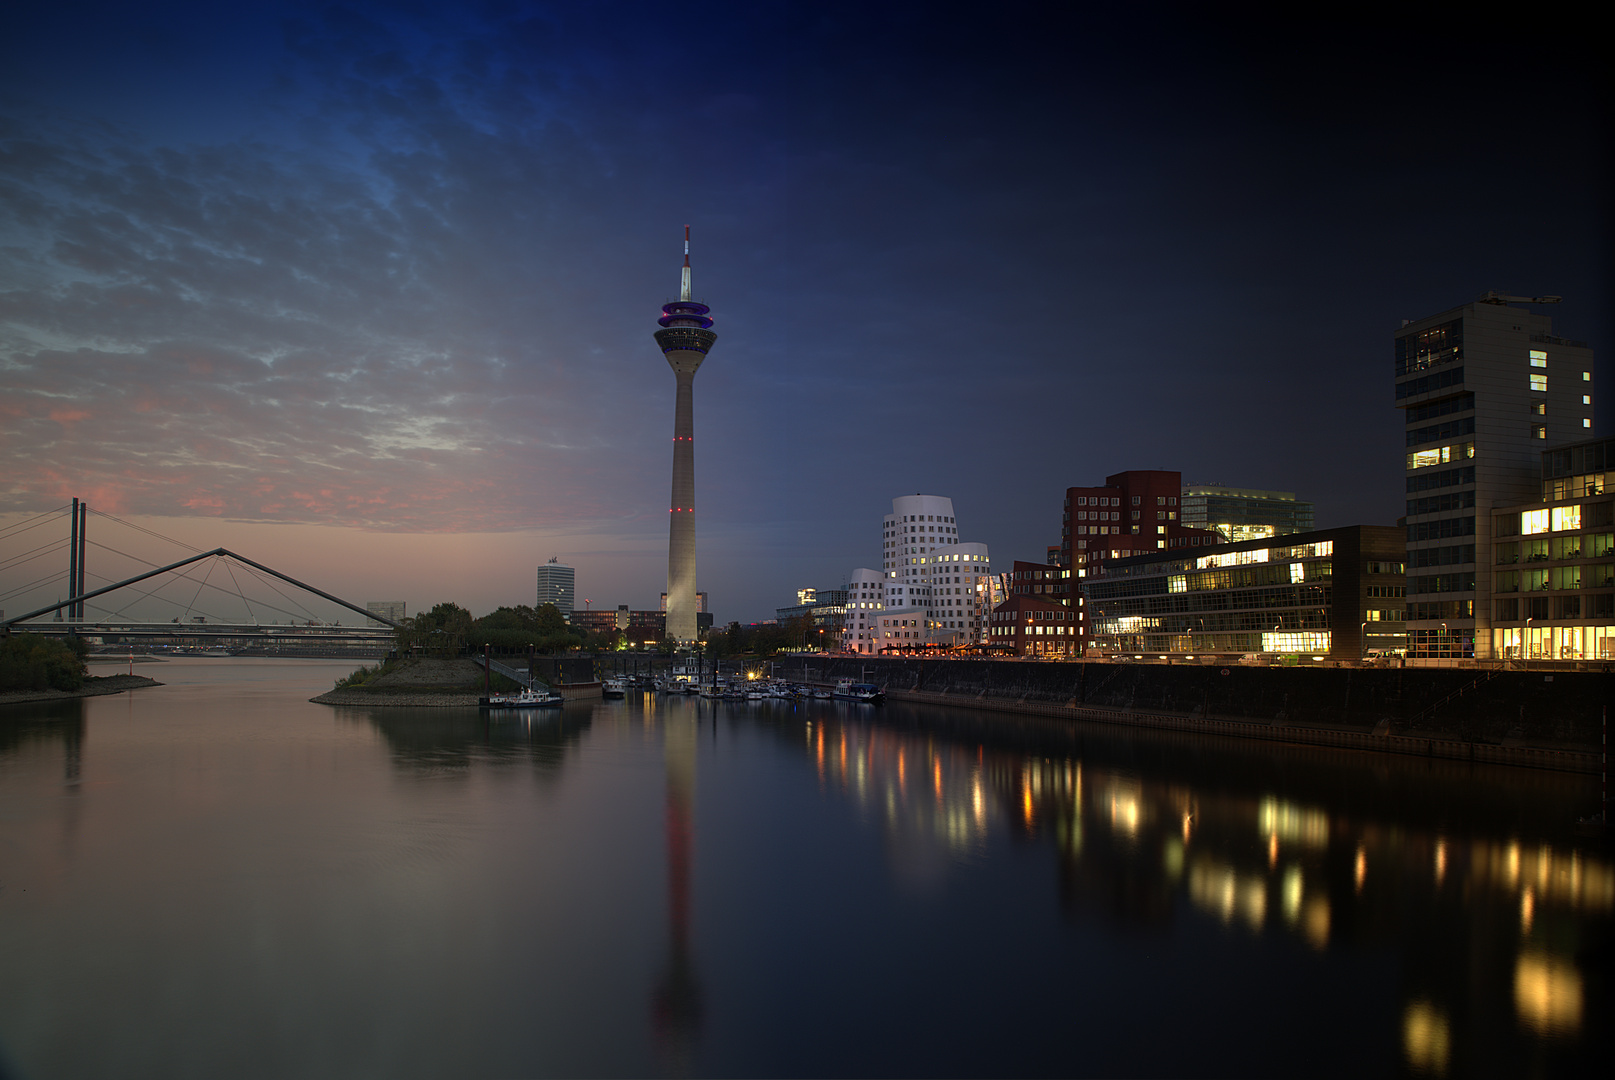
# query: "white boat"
[[848, 690], [527, 699], [614, 688]]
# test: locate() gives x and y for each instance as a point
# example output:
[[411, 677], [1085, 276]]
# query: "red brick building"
[[1031, 624], [1134, 512]]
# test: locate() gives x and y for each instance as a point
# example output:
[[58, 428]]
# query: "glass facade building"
[[1553, 582], [1238, 514], [1334, 593]]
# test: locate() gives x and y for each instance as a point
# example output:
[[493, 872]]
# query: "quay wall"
[[1557, 710]]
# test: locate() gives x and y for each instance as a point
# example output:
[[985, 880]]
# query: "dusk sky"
[[366, 291]]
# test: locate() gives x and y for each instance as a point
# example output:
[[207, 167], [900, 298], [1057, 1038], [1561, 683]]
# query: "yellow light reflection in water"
[[936, 777], [1026, 799], [1172, 858], [1272, 850], [1441, 860], [1426, 1037], [978, 801], [1547, 994], [1527, 910], [1187, 818], [1315, 923], [1292, 892], [1253, 902], [1360, 870], [1303, 825]]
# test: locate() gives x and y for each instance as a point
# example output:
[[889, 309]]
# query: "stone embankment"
[[415, 698], [1541, 719], [94, 686]]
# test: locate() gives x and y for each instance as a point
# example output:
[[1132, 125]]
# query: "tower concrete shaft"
[[685, 337]]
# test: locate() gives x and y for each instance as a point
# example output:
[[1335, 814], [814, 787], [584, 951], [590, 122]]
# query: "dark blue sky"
[[307, 274]]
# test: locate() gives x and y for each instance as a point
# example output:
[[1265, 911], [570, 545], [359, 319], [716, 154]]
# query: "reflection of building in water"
[[931, 791], [677, 1001], [1142, 849]]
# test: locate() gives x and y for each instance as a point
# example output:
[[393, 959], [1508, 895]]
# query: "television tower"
[[685, 337]]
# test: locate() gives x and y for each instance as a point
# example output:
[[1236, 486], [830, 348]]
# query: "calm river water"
[[217, 878]]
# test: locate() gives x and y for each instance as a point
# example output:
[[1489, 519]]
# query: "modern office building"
[[1238, 514], [933, 590], [557, 585], [826, 612], [1484, 388], [1334, 593], [685, 338], [1553, 577], [390, 610], [1134, 512]]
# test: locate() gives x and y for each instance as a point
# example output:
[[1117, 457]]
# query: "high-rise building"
[[389, 610], [932, 591], [1484, 388], [557, 585], [1238, 514], [685, 338]]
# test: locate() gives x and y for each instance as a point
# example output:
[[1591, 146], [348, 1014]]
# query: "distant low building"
[[391, 610]]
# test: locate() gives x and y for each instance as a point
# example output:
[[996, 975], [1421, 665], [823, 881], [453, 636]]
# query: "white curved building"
[[932, 589]]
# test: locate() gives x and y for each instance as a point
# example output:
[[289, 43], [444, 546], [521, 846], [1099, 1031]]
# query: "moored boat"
[[869, 693], [526, 699], [614, 688]]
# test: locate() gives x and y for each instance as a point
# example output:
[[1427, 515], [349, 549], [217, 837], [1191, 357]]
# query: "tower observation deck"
[[685, 337]]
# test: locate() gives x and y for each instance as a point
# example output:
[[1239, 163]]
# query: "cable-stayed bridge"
[[243, 611]]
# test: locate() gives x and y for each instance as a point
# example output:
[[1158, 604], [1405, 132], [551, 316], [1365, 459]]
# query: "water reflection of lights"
[[1292, 892], [1547, 994], [1564, 878], [1527, 910], [1359, 870], [1304, 825], [1441, 860], [1223, 891], [1426, 1037]]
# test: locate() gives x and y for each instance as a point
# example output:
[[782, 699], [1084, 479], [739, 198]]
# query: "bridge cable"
[[149, 532], [210, 565], [239, 593], [270, 582], [30, 523], [34, 584], [152, 594], [34, 553]]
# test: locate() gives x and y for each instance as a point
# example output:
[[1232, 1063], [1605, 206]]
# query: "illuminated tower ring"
[[685, 337]]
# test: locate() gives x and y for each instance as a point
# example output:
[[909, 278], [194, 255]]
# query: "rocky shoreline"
[[94, 686]]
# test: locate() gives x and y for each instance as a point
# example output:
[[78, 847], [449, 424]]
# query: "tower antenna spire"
[[684, 278]]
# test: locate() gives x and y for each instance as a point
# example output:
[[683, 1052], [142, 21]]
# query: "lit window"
[[1533, 522], [1540, 408], [1586, 399], [1565, 518], [1539, 382], [1586, 376], [1586, 421], [1539, 359], [1539, 431]]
